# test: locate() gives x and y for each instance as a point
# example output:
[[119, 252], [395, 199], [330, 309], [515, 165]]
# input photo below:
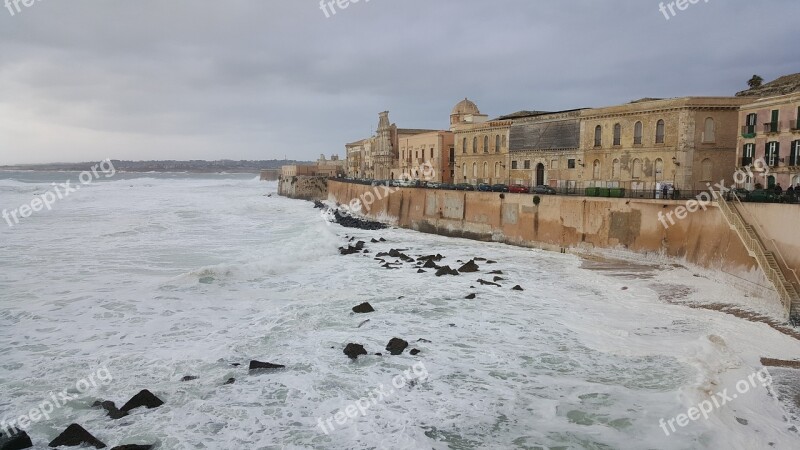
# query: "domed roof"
[[465, 107]]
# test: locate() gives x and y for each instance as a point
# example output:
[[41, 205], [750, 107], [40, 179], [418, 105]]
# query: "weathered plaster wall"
[[303, 187]]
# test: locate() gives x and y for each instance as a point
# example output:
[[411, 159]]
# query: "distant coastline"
[[168, 166]]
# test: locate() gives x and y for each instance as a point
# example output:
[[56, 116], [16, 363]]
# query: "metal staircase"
[[787, 292]]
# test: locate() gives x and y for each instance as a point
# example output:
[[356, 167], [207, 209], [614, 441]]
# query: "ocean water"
[[140, 280]]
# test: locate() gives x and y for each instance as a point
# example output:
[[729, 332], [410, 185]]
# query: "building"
[[770, 129], [544, 149], [355, 153], [296, 170], [435, 148], [481, 145], [686, 143], [333, 167]]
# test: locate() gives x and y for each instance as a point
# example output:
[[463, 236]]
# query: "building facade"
[[769, 128], [682, 143], [434, 148], [481, 146]]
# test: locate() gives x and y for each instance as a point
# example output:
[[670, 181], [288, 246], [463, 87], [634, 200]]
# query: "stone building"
[[354, 155], [642, 146], [481, 145], [770, 129], [545, 149], [434, 148], [333, 167]]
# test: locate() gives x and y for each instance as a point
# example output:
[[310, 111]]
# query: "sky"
[[86, 80]]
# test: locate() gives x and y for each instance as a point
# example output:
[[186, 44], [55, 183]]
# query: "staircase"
[[766, 259]]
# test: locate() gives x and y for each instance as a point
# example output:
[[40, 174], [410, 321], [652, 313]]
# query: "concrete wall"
[[702, 238], [303, 187]]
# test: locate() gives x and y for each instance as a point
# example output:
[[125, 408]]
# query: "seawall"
[[303, 187], [582, 224]]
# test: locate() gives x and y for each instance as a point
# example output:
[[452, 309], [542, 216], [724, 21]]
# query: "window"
[[709, 131], [637, 133], [750, 124], [617, 134], [553, 164], [660, 132], [431, 152], [772, 126], [748, 154], [475, 144], [464, 170], [796, 124], [475, 170], [615, 169], [513, 165], [794, 156], [659, 169], [464, 146], [637, 168], [773, 153], [486, 144], [527, 164], [497, 170], [706, 168], [485, 170], [598, 136], [570, 164], [497, 144], [596, 169]]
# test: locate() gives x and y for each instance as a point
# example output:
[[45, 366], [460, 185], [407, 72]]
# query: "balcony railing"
[[794, 125], [772, 127], [749, 131]]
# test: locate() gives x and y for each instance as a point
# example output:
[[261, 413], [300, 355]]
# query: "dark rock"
[[480, 259], [517, 288], [351, 239], [360, 245], [496, 272], [446, 270], [421, 271], [74, 436], [389, 266], [429, 264], [111, 409], [363, 323], [374, 241], [319, 204], [236, 364], [423, 340], [414, 352], [382, 240], [18, 439], [498, 279], [349, 250], [133, 447], [354, 350], [491, 262], [488, 283], [624, 288], [469, 267], [258, 365], [381, 255], [452, 325], [363, 308], [396, 346], [230, 381], [742, 421], [189, 378], [470, 297], [143, 398]]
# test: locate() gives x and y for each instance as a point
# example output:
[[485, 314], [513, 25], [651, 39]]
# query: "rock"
[[230, 381], [354, 350], [111, 409], [496, 272], [18, 439], [381, 255], [382, 240], [742, 421], [498, 279], [429, 264], [363, 308], [452, 324], [374, 241], [360, 245], [396, 346], [421, 271], [133, 447], [349, 250], [236, 364], [423, 340], [258, 365], [624, 288], [189, 378], [517, 288], [74, 436], [389, 266], [480, 259], [446, 270], [491, 262], [414, 352], [469, 267], [378, 354], [143, 398], [470, 297], [487, 283]]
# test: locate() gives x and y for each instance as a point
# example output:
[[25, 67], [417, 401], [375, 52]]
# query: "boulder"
[[446, 270], [487, 283], [414, 352], [258, 365], [496, 272], [396, 346], [429, 264], [349, 250], [74, 436], [143, 398], [230, 381], [363, 308], [421, 271], [480, 259], [498, 279], [18, 440], [491, 262], [374, 241], [382, 240], [517, 288], [111, 409], [469, 267], [354, 350], [470, 297]]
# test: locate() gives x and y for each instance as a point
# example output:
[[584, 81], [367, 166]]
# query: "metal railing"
[[772, 127]]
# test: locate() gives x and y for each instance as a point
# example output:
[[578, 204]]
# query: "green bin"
[[603, 192], [618, 192], [591, 192]]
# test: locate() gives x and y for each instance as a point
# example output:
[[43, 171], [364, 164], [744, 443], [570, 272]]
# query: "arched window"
[[659, 169], [486, 144], [475, 144], [660, 132], [709, 131], [596, 169], [504, 141], [707, 167], [598, 136], [617, 134], [637, 168], [464, 146], [615, 170], [486, 169], [497, 144], [497, 170], [464, 170], [475, 169], [637, 133]]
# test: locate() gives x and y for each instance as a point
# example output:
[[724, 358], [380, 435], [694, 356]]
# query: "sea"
[[173, 283]]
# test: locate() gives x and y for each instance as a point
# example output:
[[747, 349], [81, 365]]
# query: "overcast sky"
[[84, 80]]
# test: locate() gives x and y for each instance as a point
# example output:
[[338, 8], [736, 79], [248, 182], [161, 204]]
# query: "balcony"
[[746, 161], [794, 125], [772, 127], [749, 131]]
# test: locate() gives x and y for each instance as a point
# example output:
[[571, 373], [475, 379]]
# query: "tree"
[[755, 82]]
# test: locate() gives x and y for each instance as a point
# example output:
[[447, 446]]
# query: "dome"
[[465, 107]]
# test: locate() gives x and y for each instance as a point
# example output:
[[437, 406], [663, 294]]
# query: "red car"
[[518, 189]]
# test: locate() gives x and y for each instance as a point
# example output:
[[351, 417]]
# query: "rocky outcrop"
[[396, 346], [18, 440], [354, 350], [258, 365], [76, 435], [143, 398], [363, 308]]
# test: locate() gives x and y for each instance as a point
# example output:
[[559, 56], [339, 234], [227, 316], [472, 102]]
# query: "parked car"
[[465, 187], [499, 188], [433, 185], [518, 189], [484, 187], [447, 186], [541, 189]]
